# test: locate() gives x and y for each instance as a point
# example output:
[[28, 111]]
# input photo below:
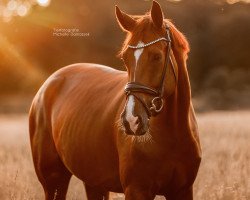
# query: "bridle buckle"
[[154, 104]]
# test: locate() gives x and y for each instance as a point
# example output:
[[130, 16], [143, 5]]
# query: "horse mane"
[[179, 38], [145, 22]]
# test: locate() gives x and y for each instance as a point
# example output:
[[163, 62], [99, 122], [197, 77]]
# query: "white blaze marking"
[[129, 114], [137, 55], [131, 101]]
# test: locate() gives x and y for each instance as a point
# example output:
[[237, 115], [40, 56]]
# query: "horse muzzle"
[[135, 126]]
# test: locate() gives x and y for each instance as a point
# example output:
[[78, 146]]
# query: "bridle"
[[132, 88]]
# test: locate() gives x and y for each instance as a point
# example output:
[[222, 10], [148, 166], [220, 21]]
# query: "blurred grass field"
[[223, 175]]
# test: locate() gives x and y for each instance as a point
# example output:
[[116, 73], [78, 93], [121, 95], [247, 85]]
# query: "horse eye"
[[156, 57]]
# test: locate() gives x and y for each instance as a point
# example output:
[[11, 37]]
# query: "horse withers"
[[130, 132]]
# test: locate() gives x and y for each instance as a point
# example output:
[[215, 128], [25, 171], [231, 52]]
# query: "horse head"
[[147, 56]]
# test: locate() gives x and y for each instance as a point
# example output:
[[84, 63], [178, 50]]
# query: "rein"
[[132, 88]]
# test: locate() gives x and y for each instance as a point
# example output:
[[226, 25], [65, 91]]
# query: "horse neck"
[[183, 92], [175, 116]]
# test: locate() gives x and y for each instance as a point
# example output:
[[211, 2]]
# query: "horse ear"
[[126, 22], [157, 15]]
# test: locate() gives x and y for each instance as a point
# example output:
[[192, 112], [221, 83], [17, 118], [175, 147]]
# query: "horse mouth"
[[140, 137], [139, 130]]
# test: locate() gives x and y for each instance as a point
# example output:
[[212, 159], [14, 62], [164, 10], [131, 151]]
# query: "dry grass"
[[224, 172]]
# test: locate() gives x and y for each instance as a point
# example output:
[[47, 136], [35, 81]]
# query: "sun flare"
[[13, 8], [43, 2]]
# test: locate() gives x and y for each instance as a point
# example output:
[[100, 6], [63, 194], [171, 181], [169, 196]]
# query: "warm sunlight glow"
[[6, 15], [25, 66], [12, 5], [22, 10], [9, 9], [43, 2]]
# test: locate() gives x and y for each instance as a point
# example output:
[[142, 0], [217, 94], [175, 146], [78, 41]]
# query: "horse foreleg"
[[106, 196], [133, 193], [56, 186], [50, 170], [184, 194], [95, 193]]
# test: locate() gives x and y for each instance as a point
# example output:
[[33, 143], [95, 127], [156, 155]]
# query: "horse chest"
[[162, 167]]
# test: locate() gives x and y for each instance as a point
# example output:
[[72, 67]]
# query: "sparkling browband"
[[148, 44]]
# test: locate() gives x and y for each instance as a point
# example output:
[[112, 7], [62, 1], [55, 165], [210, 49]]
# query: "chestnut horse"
[[143, 142]]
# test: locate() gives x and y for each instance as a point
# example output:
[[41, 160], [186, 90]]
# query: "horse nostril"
[[127, 128], [137, 121]]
